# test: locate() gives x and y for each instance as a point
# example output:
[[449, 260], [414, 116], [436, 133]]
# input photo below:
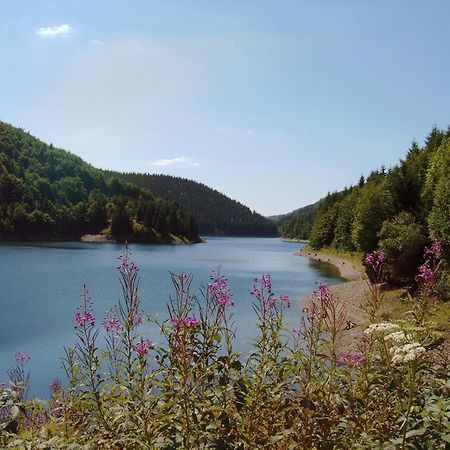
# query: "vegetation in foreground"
[[297, 389]]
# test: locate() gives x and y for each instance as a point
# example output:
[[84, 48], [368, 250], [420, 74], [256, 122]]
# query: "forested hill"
[[298, 223], [399, 210], [47, 192], [215, 213]]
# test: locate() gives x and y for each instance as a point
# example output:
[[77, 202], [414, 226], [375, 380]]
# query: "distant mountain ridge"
[[215, 213]]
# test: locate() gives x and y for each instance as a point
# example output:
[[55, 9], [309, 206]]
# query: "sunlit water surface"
[[40, 287]]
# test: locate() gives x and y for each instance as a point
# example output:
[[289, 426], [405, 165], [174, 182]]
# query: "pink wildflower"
[[22, 357], [187, 322], [191, 322], [266, 281], [376, 258], [322, 293], [425, 275], [271, 302], [435, 251], [56, 386], [111, 323], [143, 347], [125, 265], [351, 359], [82, 318], [221, 292], [256, 291]]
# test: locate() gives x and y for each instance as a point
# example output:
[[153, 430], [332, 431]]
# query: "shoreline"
[[170, 239], [352, 291], [347, 269], [300, 241]]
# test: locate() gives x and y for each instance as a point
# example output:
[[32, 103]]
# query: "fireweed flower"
[[110, 323], [256, 290], [187, 322], [351, 359], [429, 270], [322, 293], [426, 274], [267, 302], [22, 357], [435, 251], [376, 258], [86, 317], [127, 266], [191, 322], [56, 386], [143, 346], [266, 281], [221, 292]]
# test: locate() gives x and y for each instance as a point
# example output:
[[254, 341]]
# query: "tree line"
[[45, 191], [215, 213], [399, 210]]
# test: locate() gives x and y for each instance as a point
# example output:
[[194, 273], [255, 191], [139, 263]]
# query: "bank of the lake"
[[352, 292], [348, 268]]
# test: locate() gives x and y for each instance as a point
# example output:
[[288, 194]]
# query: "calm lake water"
[[40, 287]]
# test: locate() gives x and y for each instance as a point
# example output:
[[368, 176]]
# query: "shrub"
[[402, 240]]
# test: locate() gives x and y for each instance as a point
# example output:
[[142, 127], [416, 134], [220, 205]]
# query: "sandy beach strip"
[[351, 292], [347, 268]]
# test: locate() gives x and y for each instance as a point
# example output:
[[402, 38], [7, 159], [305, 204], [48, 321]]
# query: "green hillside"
[[298, 224], [215, 213], [399, 210], [50, 193]]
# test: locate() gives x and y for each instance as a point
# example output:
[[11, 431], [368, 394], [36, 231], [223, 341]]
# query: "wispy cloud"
[[249, 133], [163, 162], [96, 43], [53, 32]]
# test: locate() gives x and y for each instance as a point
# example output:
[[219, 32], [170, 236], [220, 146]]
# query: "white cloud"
[[162, 162], [58, 31], [96, 43]]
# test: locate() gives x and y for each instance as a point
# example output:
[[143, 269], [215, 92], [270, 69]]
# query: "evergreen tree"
[[121, 225]]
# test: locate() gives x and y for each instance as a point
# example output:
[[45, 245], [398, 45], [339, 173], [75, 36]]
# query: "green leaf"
[[418, 432]]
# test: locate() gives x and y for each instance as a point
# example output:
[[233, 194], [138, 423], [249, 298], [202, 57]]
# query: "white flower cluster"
[[381, 328], [407, 353], [398, 337]]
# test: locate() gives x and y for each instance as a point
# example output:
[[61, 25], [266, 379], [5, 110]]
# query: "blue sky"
[[273, 103]]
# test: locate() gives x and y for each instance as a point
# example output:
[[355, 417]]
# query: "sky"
[[273, 103]]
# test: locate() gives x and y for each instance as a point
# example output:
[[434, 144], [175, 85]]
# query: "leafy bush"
[[295, 390], [402, 240]]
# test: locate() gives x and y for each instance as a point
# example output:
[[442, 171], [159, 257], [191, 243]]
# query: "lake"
[[40, 285]]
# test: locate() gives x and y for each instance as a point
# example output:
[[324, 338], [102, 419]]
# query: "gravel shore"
[[346, 267], [352, 292]]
